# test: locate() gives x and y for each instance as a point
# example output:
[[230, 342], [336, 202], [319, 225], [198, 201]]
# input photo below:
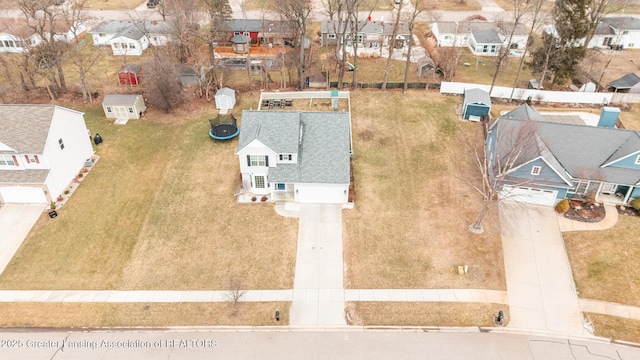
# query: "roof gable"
[[476, 95], [626, 82]]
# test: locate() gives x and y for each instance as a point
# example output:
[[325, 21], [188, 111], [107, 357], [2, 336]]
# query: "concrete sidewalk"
[[318, 294], [609, 221], [427, 295], [609, 308], [542, 294]]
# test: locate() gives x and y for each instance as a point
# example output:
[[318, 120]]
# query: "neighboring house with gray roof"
[[454, 33], [42, 149], [295, 156], [129, 37], [372, 36], [485, 43], [559, 160], [620, 32]]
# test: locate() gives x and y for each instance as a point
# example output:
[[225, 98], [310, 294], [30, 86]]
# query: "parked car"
[[152, 3]]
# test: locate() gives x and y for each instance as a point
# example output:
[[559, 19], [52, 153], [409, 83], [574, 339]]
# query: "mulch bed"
[[627, 210], [585, 212]]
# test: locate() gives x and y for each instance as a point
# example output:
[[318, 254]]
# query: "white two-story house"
[[294, 156], [42, 149]]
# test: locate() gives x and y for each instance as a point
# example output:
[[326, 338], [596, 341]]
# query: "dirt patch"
[[585, 212]]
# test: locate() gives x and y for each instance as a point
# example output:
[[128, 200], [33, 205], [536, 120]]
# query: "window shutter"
[[248, 160], [266, 160], [26, 157], [37, 160], [15, 160], [290, 157]]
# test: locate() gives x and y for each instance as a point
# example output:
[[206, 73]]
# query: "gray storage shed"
[[476, 104], [123, 106]]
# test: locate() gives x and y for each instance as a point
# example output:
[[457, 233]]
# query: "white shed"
[[123, 106], [225, 99]]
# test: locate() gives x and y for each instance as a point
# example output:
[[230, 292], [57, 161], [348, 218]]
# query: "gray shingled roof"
[[524, 112], [622, 23], [258, 25], [626, 82], [486, 37], [465, 27], [476, 95], [323, 151], [563, 144], [31, 176], [119, 100], [25, 128], [121, 27]]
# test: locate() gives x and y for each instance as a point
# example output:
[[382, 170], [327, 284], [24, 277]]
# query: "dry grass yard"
[[88, 315], [614, 327], [409, 226], [602, 262], [158, 212], [425, 314]]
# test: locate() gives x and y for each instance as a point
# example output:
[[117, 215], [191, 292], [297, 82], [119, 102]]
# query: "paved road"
[[274, 344], [542, 295], [318, 291]]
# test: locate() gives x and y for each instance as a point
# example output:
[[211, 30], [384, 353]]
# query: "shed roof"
[[626, 82], [119, 100], [476, 95], [225, 91], [321, 140], [132, 68]]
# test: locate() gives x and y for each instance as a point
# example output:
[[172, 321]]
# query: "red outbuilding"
[[129, 75]]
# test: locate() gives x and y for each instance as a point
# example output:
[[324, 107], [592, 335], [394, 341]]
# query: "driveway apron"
[[540, 287], [318, 292], [16, 220]]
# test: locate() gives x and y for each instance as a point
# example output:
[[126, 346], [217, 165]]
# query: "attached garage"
[[529, 195], [320, 195], [23, 194]]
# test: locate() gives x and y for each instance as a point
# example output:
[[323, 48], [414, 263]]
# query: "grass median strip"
[[614, 327], [81, 315]]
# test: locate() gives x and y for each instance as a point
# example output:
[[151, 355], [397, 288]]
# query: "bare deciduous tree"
[[507, 145], [162, 83], [235, 293], [297, 12], [391, 46], [418, 7]]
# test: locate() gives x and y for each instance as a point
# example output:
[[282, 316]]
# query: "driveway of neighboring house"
[[318, 291], [542, 294], [16, 220]]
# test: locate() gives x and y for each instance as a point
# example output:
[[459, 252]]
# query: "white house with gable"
[[42, 149], [129, 37]]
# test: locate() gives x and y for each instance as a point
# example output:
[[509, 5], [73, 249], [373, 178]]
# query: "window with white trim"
[[109, 109], [32, 159], [8, 160], [286, 157], [536, 170], [258, 160], [331, 36], [130, 110], [61, 143]]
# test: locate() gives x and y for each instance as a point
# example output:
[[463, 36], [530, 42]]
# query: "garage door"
[[24, 195], [313, 195], [529, 195]]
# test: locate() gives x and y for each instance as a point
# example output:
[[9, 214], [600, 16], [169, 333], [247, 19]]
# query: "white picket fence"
[[569, 97]]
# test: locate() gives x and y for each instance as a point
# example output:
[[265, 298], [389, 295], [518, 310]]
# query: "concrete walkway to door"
[[542, 295], [16, 220], [318, 291]]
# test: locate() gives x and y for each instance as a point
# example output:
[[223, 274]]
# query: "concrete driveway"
[[318, 292], [16, 220], [542, 294]]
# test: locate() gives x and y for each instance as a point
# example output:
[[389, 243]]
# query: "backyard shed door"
[[529, 195], [24, 195], [121, 112]]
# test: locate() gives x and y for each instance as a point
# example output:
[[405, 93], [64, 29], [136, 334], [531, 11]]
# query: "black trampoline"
[[224, 128]]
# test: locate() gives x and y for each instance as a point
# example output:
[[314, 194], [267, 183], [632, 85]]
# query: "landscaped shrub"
[[635, 203], [590, 198], [563, 206]]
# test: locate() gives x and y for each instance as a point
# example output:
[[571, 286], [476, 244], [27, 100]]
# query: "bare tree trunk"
[[407, 63], [392, 45]]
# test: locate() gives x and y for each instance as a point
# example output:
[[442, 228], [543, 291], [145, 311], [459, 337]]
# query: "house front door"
[[609, 188]]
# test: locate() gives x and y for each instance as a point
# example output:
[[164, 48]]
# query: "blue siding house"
[[546, 161]]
